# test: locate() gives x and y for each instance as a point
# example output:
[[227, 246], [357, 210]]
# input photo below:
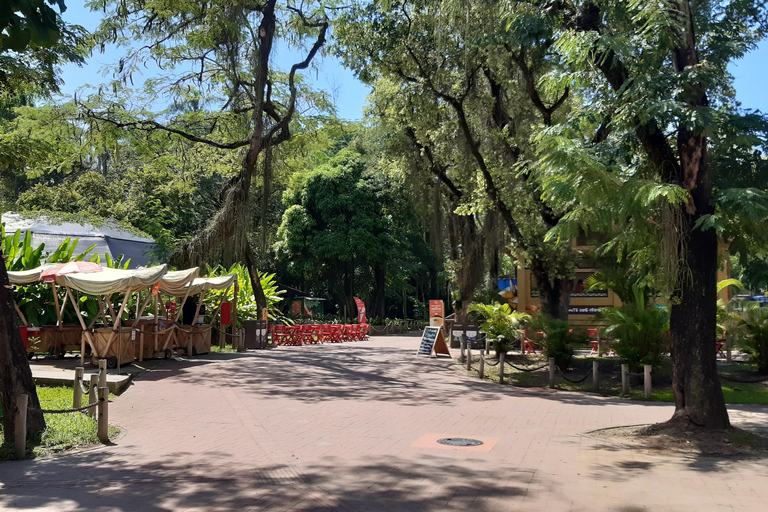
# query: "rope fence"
[[577, 381]]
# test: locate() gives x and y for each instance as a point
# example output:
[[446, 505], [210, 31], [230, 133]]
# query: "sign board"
[[433, 340], [584, 310], [360, 310], [436, 308]]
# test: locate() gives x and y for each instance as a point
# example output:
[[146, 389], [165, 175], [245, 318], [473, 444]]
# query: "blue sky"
[[750, 73]]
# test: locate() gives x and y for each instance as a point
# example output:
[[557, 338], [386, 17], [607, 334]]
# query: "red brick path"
[[331, 428]]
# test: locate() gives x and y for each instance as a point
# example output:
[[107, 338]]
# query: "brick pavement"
[[331, 428]]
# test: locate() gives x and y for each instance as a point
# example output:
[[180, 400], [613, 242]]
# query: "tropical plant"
[[559, 341], [247, 307], [753, 336], [640, 331], [502, 325]]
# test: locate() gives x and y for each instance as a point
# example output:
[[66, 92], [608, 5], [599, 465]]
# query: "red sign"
[[360, 310], [226, 313], [436, 308]]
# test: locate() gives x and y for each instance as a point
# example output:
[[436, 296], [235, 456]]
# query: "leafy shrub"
[[247, 309], [559, 340], [639, 330], [753, 336], [501, 325]]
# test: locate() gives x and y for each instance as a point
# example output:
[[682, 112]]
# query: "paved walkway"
[[349, 427]]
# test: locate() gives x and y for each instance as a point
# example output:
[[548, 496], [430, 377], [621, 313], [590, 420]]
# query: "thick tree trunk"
[[380, 277], [253, 273], [15, 375], [698, 396], [555, 294]]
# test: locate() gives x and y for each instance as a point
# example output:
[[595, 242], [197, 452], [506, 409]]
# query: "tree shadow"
[[99, 481]]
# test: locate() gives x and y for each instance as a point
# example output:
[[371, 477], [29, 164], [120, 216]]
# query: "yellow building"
[[584, 305]]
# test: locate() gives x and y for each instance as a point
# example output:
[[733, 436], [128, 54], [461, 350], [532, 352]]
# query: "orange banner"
[[360, 310]]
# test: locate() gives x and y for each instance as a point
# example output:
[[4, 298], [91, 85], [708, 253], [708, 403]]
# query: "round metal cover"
[[459, 441]]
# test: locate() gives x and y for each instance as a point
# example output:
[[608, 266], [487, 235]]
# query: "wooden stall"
[[115, 343], [195, 338]]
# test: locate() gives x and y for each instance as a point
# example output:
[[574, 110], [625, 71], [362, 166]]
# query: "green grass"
[[63, 431], [218, 350]]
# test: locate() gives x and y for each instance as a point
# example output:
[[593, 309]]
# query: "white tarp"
[[107, 237], [175, 282], [25, 277], [112, 280], [211, 283]]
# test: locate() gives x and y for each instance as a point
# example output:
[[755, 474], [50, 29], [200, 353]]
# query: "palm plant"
[[753, 336], [639, 329], [501, 325]]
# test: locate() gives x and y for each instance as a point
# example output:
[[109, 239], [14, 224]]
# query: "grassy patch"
[[63, 431], [218, 350], [610, 378]]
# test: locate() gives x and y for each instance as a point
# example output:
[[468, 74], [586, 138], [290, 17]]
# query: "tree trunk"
[[379, 297], [253, 273], [555, 294], [698, 395], [15, 375]]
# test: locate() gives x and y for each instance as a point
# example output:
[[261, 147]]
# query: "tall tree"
[[223, 51], [656, 98], [33, 39], [477, 87]]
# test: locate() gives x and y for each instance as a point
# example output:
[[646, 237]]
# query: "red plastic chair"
[[364, 329]]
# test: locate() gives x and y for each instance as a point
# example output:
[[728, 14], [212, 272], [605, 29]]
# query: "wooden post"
[[487, 345], [599, 345], [481, 370], [551, 372], [624, 379], [20, 432], [595, 378], [190, 340], [102, 373], [92, 394], [501, 367], [469, 356], [647, 382], [102, 430], [463, 344], [240, 341], [77, 397]]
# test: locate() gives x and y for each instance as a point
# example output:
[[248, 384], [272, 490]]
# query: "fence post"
[[102, 373], [481, 369], [102, 430], [240, 341], [487, 345], [599, 345], [463, 345], [77, 396], [552, 372], [469, 356], [92, 395], [595, 378], [648, 381], [624, 379], [502, 354], [20, 432]]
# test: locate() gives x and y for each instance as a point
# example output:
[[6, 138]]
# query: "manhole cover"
[[459, 441]]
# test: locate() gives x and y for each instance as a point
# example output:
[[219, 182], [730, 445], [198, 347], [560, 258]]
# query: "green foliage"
[[559, 339], [502, 325], [639, 330], [753, 336], [247, 309]]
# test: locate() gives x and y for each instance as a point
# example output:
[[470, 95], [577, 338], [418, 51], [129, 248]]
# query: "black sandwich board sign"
[[433, 340]]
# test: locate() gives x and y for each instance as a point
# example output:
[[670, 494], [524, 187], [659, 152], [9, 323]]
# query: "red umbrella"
[[72, 267]]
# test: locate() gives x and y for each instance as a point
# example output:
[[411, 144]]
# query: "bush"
[[639, 330], [501, 325], [559, 341], [753, 337]]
